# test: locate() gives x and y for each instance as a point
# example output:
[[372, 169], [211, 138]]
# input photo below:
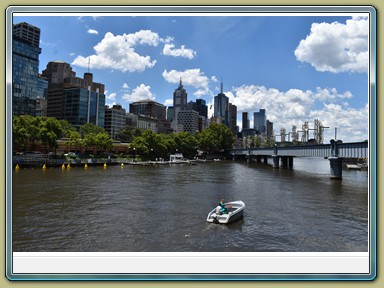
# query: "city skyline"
[[293, 68]]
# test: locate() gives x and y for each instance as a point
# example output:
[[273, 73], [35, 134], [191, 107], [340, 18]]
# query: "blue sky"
[[298, 68]]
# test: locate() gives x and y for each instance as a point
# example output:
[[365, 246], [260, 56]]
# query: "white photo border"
[[16, 269]]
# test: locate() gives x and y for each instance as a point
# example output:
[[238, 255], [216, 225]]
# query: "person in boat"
[[223, 207]]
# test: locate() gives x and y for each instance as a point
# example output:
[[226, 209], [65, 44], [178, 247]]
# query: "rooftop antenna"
[[89, 63], [221, 87], [180, 83]]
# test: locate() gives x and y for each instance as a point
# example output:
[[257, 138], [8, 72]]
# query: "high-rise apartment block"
[[25, 68]]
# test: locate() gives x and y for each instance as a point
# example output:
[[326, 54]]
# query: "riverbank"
[[47, 163]]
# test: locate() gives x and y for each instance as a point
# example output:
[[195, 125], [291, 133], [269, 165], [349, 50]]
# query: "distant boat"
[[177, 159], [235, 211], [354, 166]]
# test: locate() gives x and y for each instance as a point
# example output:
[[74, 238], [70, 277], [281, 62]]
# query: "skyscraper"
[[221, 107], [233, 118], [77, 100], [245, 120], [259, 121], [25, 68], [179, 102]]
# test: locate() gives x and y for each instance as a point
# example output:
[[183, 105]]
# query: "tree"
[[90, 128], [66, 127], [74, 139], [50, 130], [20, 134], [103, 141], [140, 145], [186, 144], [216, 138]]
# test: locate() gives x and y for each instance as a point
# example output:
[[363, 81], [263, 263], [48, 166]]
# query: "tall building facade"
[[259, 121], [221, 107], [270, 130], [200, 106], [152, 109], [41, 97], [25, 68], [233, 118], [245, 120], [148, 108], [77, 100], [114, 120], [189, 120], [180, 97]]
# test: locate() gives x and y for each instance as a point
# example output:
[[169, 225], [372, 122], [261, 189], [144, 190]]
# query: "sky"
[[297, 68]]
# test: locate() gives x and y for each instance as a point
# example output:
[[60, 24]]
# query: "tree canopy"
[[28, 129]]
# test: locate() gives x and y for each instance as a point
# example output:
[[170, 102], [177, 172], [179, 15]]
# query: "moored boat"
[[353, 167], [235, 211]]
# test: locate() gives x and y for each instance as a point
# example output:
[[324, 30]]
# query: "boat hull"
[[236, 212]]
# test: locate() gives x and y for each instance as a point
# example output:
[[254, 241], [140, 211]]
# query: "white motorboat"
[[235, 211], [354, 166]]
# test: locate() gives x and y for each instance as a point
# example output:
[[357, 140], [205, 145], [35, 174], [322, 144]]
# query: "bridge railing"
[[342, 150]]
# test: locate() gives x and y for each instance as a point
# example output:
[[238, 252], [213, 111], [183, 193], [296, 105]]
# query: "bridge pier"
[[284, 161], [258, 159], [275, 159], [287, 161], [265, 159], [336, 167], [290, 161]]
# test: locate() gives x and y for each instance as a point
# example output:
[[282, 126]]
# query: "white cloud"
[[139, 93], [125, 86], [168, 102], [352, 124], [92, 31], [193, 77], [336, 47], [294, 107], [331, 94], [117, 52], [111, 97], [182, 52]]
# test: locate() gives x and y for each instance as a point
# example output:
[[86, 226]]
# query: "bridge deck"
[[342, 150]]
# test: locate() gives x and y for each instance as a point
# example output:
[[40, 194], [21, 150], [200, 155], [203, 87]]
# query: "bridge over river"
[[283, 156]]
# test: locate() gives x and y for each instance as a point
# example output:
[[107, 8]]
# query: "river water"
[[164, 208]]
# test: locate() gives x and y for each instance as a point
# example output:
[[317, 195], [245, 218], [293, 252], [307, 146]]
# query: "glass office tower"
[[82, 106], [25, 68]]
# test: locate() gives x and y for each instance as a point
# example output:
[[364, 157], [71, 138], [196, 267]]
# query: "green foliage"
[[28, 129], [147, 144], [216, 138], [186, 144], [90, 128]]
